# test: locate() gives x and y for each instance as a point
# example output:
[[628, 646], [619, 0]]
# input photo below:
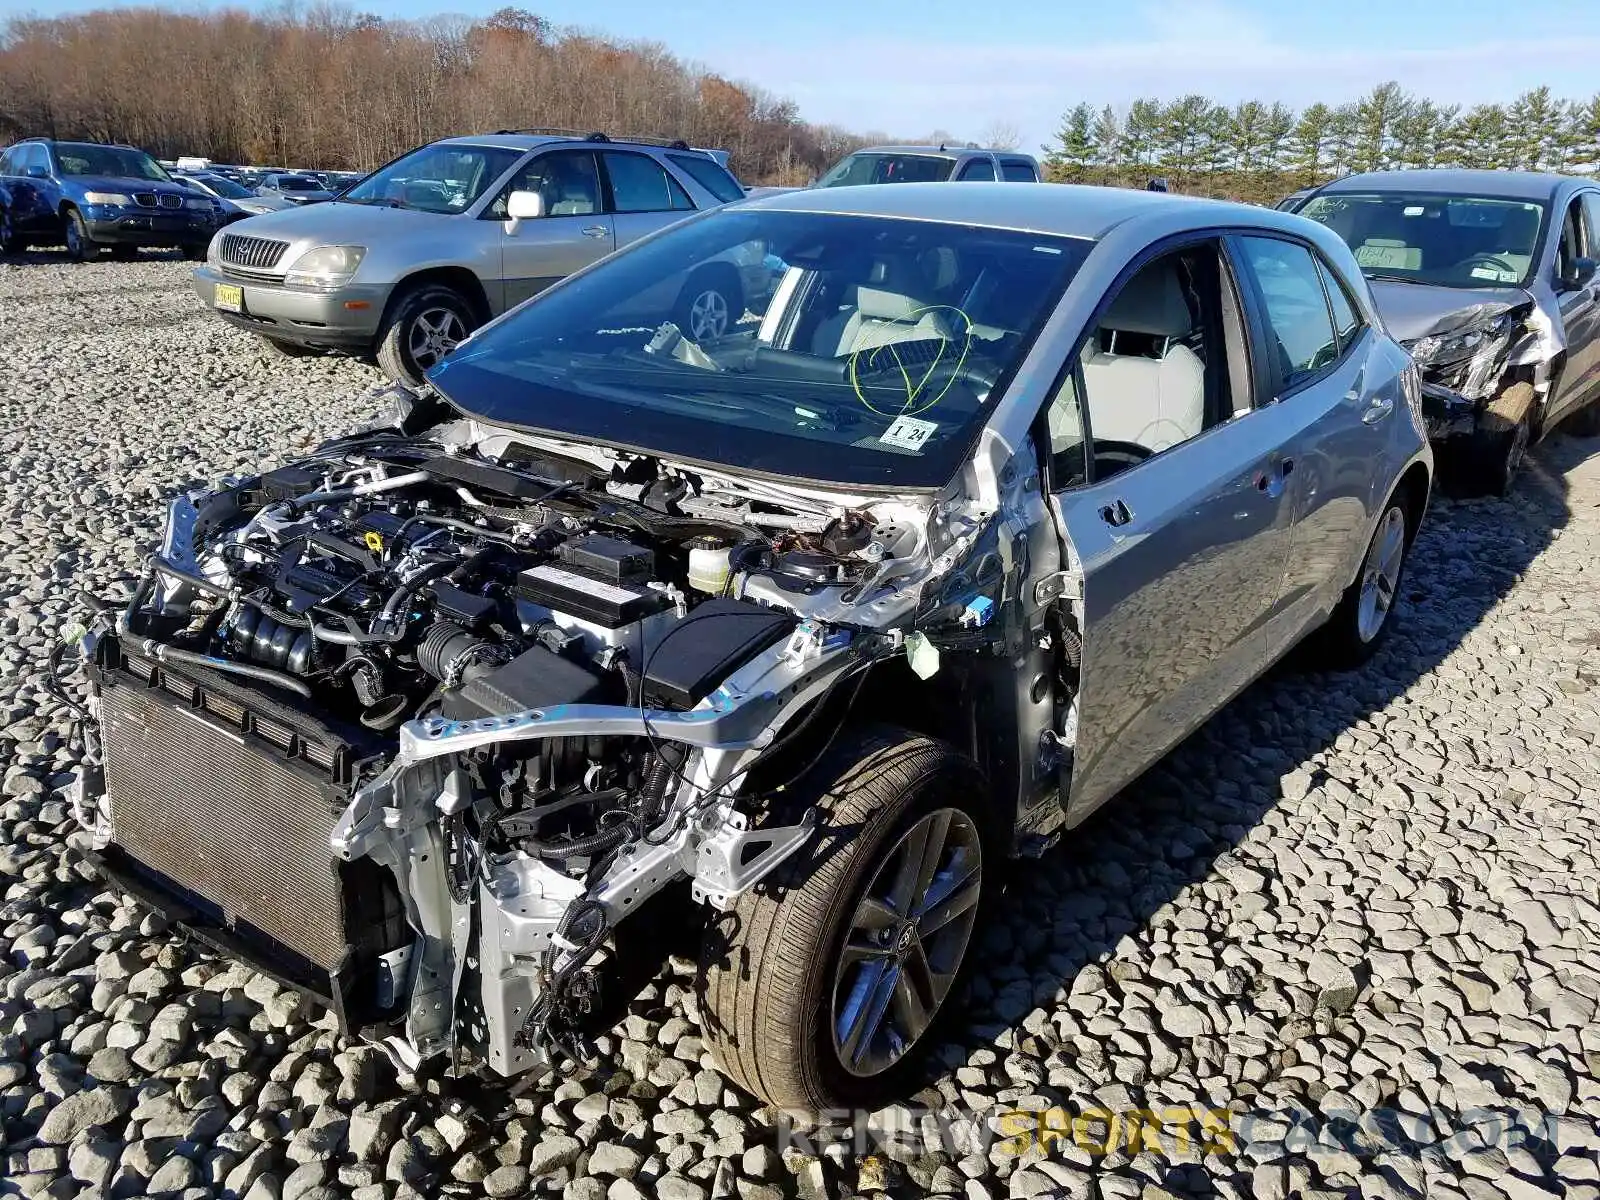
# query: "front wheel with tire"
[[822, 987], [423, 325], [1499, 447], [710, 305], [80, 246], [1365, 611]]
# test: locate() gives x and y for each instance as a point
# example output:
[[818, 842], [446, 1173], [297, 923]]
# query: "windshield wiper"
[[1389, 277]]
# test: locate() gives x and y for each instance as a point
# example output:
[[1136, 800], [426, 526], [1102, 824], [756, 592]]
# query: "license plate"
[[228, 297]]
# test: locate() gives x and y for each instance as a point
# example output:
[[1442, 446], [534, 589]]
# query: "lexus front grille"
[[251, 253]]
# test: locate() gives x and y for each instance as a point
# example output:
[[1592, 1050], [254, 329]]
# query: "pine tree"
[[1107, 140], [1311, 143], [1376, 114], [1535, 129], [1069, 156], [1139, 132]]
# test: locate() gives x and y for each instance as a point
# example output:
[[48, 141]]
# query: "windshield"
[[225, 187], [78, 158], [437, 178], [1453, 241], [877, 361], [298, 183], [888, 168]]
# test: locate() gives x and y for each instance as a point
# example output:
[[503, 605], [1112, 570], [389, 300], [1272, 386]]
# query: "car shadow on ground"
[[34, 256], [1177, 827]]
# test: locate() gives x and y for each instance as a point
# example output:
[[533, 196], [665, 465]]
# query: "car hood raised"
[[343, 224], [1414, 310]]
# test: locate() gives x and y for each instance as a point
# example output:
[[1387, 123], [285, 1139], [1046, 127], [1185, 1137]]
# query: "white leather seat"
[[1151, 402], [882, 318]]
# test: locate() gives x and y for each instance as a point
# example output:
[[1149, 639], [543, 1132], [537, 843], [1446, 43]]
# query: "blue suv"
[[91, 196]]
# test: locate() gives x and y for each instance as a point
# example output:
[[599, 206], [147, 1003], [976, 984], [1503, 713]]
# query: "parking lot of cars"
[[1348, 894], [1354, 891]]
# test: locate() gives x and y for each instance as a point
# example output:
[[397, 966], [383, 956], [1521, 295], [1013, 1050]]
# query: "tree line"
[[326, 87], [1256, 151]]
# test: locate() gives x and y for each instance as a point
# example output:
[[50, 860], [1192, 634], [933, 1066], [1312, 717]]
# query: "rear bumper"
[[325, 320], [148, 229]]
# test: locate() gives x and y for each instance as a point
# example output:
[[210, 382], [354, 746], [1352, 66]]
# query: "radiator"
[[200, 797]]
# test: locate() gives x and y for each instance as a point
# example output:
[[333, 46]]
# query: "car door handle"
[[1117, 514], [595, 231], [1377, 409]]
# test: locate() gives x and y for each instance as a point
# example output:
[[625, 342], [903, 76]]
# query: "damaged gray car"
[[1488, 278], [784, 640]]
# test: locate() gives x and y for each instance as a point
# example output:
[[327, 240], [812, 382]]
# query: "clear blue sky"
[[964, 65]]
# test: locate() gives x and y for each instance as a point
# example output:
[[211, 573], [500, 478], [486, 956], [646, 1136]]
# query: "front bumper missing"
[[1447, 413]]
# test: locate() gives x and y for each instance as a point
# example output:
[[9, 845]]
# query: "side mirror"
[[1580, 272], [37, 172], [523, 206]]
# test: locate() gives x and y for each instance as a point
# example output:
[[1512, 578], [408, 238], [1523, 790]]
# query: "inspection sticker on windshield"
[[908, 433]]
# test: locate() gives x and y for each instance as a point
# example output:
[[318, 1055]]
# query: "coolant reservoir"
[[708, 564]]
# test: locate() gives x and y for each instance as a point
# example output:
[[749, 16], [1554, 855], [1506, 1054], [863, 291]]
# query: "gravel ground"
[[1356, 911]]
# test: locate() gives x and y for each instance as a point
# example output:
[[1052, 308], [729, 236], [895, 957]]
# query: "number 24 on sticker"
[[909, 433]]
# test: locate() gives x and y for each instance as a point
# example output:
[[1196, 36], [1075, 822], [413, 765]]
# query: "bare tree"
[[1000, 135]]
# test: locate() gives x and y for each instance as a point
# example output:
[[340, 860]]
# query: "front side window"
[[888, 168], [1154, 370], [1296, 307], [709, 174], [979, 170], [442, 178], [1453, 241], [889, 347], [639, 184], [569, 181]]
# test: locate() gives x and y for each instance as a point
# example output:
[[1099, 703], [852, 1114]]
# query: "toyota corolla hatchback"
[[787, 634]]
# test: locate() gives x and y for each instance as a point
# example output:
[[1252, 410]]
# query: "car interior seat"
[[1152, 401], [897, 306]]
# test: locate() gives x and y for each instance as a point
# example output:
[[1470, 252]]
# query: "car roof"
[[946, 150], [532, 141], [1066, 209], [1512, 185]]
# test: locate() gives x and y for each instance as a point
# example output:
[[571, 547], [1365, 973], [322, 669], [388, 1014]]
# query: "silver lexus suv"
[[411, 259]]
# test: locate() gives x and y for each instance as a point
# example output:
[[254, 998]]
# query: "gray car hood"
[[336, 224], [1414, 310]]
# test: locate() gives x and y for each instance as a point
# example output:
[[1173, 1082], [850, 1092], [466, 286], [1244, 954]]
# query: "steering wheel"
[[1493, 260], [1111, 457]]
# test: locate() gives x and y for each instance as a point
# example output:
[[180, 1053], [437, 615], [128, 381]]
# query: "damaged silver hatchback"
[[786, 639]]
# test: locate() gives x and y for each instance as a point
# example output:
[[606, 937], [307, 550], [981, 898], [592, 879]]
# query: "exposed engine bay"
[[417, 721]]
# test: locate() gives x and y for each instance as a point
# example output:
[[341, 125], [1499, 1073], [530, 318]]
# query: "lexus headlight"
[[325, 267], [106, 198]]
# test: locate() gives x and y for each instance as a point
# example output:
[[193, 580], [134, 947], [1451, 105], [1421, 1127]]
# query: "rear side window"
[[1345, 321], [708, 173], [1297, 313], [979, 170], [1018, 170], [639, 184]]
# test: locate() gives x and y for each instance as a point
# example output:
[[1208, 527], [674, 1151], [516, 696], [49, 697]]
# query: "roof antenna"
[[941, 147]]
